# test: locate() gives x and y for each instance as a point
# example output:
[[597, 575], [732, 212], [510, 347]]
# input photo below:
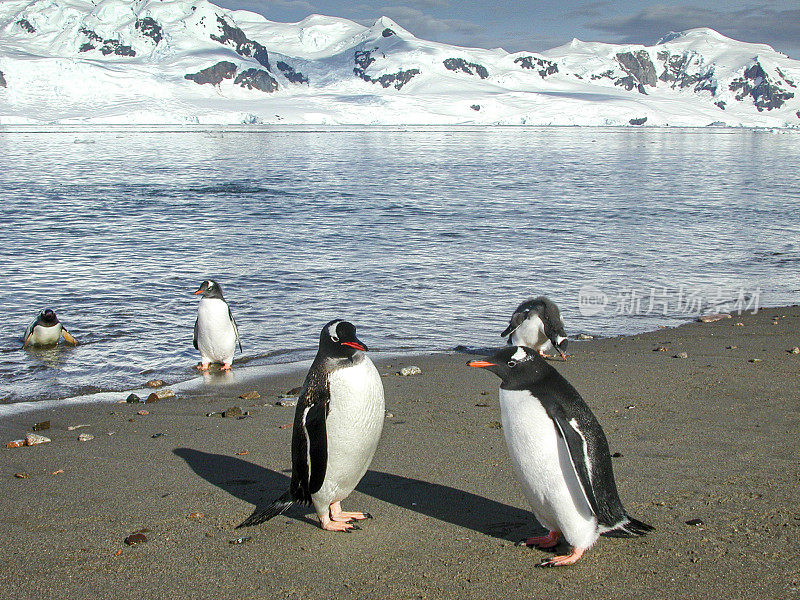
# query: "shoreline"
[[711, 437]]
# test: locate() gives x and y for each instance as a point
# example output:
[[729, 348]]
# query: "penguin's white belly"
[[216, 337], [541, 460], [354, 426], [531, 334], [45, 336]]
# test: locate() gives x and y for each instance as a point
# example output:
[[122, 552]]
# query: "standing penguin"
[[337, 425], [215, 331], [46, 330], [560, 455], [537, 324]]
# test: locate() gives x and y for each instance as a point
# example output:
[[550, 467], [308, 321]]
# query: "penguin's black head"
[[48, 317], [338, 340], [517, 366], [210, 289], [559, 340]]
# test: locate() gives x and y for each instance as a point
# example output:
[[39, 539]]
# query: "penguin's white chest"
[[541, 460], [216, 337], [531, 334], [354, 426], [45, 336]]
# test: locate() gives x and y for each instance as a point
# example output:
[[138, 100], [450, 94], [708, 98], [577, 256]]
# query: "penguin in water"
[[46, 330], [537, 324], [337, 425], [215, 331], [560, 455]]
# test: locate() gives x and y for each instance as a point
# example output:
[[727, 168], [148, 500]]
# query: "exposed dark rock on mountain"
[[244, 46], [640, 69], [639, 121], [258, 79], [459, 64], [290, 74], [106, 47], [543, 66], [26, 25], [677, 72], [2, 80], [387, 32], [150, 28], [363, 59], [756, 83], [213, 74]]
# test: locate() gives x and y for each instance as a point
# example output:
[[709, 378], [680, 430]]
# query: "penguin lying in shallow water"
[[337, 425], [559, 453], [537, 324], [215, 330], [46, 330]]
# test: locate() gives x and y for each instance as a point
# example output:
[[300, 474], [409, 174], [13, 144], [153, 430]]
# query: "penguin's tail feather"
[[629, 528], [278, 506]]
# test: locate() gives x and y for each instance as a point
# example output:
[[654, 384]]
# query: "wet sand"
[[712, 437]]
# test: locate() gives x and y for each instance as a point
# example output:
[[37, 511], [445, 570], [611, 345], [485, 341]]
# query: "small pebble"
[[794, 350], [630, 406], [154, 383], [34, 439], [661, 349], [135, 538], [74, 427], [712, 318], [214, 414], [157, 435], [22, 476], [243, 453], [240, 540], [163, 394], [389, 415], [143, 413], [42, 425], [132, 398], [294, 391], [407, 371], [15, 444], [233, 411], [695, 522], [585, 336], [286, 426], [85, 437], [254, 395], [739, 324], [754, 360], [195, 515], [731, 347], [616, 455], [681, 355], [286, 402], [152, 398], [58, 472], [496, 425]]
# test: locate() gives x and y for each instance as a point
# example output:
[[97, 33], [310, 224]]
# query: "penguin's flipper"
[[310, 442], [194, 340], [235, 329], [26, 338], [68, 337], [516, 320]]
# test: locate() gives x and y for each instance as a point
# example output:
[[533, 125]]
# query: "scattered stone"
[[152, 398], [294, 391], [482, 405], [74, 427], [157, 435], [196, 516], [132, 398], [58, 472], [681, 355], [233, 411], [695, 522], [585, 336], [135, 538], [739, 324], [389, 415], [407, 371], [214, 414], [143, 413], [754, 360], [794, 350], [285, 426], [731, 347], [616, 455], [243, 453], [713, 318], [22, 475], [161, 395], [286, 402], [661, 349], [34, 439], [630, 406], [254, 395], [85, 437], [496, 425], [42, 425], [154, 383], [240, 540], [118, 553]]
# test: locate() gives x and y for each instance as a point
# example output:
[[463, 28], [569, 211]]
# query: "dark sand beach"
[[711, 439]]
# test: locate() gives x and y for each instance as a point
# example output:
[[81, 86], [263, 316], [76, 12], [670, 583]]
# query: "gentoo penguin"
[[537, 324], [337, 426], [215, 331], [560, 455], [46, 330]]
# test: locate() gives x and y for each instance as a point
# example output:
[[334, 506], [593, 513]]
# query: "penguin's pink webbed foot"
[[329, 525], [544, 541], [564, 560], [203, 367], [225, 367]]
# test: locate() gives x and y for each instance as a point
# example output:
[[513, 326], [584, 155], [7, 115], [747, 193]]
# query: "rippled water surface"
[[425, 238]]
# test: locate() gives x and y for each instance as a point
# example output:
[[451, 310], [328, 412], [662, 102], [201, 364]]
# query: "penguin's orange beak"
[[355, 345], [480, 363], [199, 292]]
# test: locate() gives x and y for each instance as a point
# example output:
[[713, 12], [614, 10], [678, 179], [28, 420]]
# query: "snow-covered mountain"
[[184, 61]]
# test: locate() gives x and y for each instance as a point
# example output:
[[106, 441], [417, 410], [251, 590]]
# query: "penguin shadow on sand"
[[260, 486]]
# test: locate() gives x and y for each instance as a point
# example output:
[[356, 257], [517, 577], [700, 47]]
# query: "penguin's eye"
[[512, 363], [334, 338]]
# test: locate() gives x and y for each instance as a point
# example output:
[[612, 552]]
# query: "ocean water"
[[425, 238]]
